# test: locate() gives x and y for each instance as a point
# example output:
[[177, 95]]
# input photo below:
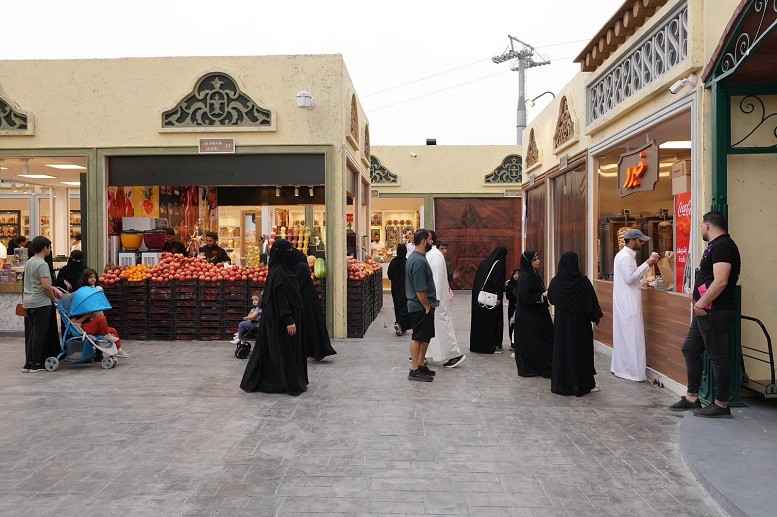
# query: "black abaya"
[[576, 306], [487, 325], [396, 274], [533, 325], [315, 335], [277, 363]]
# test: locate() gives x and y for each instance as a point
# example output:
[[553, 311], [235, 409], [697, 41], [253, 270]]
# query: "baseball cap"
[[635, 234]]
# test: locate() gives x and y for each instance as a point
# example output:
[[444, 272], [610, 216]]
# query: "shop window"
[[510, 171], [217, 102], [380, 174]]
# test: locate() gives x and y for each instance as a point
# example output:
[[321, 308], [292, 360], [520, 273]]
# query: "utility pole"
[[524, 57]]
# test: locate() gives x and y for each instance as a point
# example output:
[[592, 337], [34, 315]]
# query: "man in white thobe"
[[443, 347], [628, 329]]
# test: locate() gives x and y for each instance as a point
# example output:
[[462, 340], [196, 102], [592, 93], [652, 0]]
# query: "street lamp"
[[530, 102]]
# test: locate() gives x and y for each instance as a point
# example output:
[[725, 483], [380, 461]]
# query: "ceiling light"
[[310, 191], [38, 176], [277, 192], [3, 168], [73, 183], [25, 188], [25, 166], [66, 166], [296, 191], [676, 144], [15, 188]]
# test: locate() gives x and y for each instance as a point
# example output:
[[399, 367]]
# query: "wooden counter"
[[666, 315]]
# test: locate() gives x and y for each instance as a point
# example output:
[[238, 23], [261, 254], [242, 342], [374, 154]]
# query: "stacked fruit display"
[[253, 256], [178, 267], [358, 270]]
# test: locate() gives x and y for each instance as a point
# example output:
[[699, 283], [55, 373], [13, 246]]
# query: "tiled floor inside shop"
[[168, 432]]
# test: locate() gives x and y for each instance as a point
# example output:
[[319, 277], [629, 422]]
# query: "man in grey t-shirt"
[[37, 298], [421, 301]]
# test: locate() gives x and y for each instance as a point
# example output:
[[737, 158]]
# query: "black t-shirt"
[[175, 247], [215, 254], [721, 249]]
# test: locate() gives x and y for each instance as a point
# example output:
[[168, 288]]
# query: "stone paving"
[[168, 432]]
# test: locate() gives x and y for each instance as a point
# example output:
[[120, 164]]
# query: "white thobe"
[[628, 329], [443, 347]]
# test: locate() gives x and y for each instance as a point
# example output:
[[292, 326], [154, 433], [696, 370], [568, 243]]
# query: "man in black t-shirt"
[[214, 253], [714, 313], [172, 245]]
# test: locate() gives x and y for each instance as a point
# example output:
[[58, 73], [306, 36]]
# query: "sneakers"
[[122, 353], [110, 337], [35, 368], [684, 405], [456, 361], [26, 367], [397, 329], [418, 375], [711, 411], [596, 389], [499, 351], [425, 369], [235, 341]]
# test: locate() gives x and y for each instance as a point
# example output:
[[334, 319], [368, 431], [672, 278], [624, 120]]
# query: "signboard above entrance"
[[638, 170], [217, 145]]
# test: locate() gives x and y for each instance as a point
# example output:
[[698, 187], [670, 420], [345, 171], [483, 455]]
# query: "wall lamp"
[[277, 192], [310, 191], [691, 81], [296, 190], [530, 102], [304, 100]]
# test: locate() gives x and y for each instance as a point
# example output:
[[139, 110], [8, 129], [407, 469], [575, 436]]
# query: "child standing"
[[254, 316]]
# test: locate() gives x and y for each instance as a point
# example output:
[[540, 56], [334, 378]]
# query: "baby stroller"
[[78, 346], [243, 350]]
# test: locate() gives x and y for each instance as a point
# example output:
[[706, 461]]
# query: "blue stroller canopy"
[[88, 299]]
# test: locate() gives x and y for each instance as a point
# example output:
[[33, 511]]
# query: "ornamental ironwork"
[[380, 174], [648, 59], [763, 14], [565, 126], [216, 101], [10, 119], [509, 172], [763, 127], [532, 152]]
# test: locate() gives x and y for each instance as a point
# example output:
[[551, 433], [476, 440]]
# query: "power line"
[[463, 66]]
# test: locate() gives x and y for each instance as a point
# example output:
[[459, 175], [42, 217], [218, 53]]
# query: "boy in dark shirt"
[[714, 313]]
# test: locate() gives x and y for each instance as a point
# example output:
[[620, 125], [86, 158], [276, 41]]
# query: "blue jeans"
[[243, 328], [709, 333]]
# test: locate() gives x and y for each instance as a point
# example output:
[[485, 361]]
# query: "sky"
[[421, 69]]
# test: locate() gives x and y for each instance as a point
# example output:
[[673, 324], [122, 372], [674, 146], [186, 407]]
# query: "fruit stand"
[[364, 295]]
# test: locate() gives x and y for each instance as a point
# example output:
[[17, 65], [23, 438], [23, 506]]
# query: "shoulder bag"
[[485, 299]]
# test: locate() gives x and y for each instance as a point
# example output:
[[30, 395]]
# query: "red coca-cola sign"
[[682, 236]]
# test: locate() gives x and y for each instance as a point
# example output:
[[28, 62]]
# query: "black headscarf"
[[530, 283], [511, 282], [496, 280], [72, 271], [396, 269], [571, 291], [281, 273]]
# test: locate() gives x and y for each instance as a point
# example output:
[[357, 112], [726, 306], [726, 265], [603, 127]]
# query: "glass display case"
[[10, 225]]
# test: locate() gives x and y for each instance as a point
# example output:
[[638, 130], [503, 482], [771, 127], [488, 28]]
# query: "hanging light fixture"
[[310, 190], [25, 189], [296, 190], [25, 166], [15, 187], [277, 191]]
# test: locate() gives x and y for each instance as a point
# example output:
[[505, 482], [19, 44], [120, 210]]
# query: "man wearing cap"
[[628, 330], [214, 253], [172, 245]]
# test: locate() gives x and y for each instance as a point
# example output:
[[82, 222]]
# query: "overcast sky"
[[422, 69]]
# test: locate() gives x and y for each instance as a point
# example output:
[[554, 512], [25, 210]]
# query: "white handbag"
[[485, 299]]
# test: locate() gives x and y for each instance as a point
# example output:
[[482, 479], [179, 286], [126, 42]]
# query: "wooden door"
[[473, 227]]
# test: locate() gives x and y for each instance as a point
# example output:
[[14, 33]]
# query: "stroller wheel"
[[243, 351], [51, 364], [108, 362]]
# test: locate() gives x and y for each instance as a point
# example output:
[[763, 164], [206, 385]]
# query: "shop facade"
[[642, 110], [470, 195], [242, 146]]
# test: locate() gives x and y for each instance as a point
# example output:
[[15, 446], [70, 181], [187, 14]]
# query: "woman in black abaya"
[[576, 306], [533, 326], [315, 336], [396, 274], [511, 293], [487, 325], [69, 276], [277, 363]]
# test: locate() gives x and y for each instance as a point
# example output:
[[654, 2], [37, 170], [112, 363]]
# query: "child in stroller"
[[96, 323], [249, 323]]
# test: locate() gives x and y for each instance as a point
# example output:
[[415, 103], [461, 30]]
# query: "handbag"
[[485, 299], [21, 311]]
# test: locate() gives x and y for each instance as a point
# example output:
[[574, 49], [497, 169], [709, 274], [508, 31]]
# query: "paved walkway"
[[168, 432]]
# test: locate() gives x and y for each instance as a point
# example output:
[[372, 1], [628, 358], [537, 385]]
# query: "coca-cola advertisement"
[[682, 238]]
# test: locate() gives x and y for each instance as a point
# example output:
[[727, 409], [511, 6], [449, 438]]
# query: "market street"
[[168, 432]]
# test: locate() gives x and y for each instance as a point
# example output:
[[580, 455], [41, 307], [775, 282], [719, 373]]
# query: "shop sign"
[[638, 170], [217, 145], [682, 236], [512, 192]]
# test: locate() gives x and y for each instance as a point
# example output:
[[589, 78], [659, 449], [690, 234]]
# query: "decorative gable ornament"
[[367, 151], [14, 120], [509, 172], [533, 153], [353, 131], [566, 126], [217, 104], [380, 174]]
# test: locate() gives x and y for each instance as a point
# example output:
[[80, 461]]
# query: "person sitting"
[[254, 317], [214, 253], [172, 245], [96, 323]]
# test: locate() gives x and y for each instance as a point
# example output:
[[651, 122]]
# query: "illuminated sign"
[[638, 170]]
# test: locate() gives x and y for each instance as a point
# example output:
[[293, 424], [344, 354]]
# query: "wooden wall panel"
[[666, 316]]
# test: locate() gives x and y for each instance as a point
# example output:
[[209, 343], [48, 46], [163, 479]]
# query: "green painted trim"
[[429, 211], [751, 89], [240, 149], [721, 140], [752, 150], [334, 258], [48, 151]]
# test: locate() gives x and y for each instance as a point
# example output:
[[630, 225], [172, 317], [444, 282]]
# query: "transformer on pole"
[[524, 57]]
